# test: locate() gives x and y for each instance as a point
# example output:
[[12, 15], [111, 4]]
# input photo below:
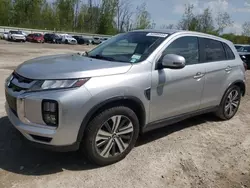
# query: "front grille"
[[11, 102], [21, 79], [19, 83]]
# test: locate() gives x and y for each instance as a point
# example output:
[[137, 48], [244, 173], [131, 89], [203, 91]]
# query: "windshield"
[[130, 47], [37, 35], [16, 32], [244, 49]]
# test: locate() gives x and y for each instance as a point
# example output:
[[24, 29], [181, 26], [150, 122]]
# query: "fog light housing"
[[50, 112]]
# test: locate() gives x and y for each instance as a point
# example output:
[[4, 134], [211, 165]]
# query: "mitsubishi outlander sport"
[[101, 100]]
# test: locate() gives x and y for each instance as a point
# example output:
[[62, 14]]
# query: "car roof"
[[167, 31], [173, 31]]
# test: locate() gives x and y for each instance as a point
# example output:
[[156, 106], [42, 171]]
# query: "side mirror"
[[173, 61]]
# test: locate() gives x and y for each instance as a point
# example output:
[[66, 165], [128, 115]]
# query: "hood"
[[68, 66]]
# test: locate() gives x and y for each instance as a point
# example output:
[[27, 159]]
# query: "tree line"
[[109, 17], [207, 22]]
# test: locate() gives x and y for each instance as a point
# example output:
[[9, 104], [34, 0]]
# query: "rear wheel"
[[230, 103], [111, 135]]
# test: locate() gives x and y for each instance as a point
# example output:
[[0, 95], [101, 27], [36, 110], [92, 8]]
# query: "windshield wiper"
[[102, 57]]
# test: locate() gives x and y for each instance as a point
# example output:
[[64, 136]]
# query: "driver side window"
[[184, 46]]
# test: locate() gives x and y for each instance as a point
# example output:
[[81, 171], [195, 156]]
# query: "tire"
[[66, 42], [223, 113], [128, 122]]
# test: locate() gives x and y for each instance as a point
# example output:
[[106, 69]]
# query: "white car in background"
[[68, 39], [16, 36], [4, 35]]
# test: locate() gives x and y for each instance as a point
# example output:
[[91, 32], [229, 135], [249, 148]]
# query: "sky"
[[170, 11]]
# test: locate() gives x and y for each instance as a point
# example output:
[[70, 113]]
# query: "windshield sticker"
[[136, 56], [133, 60], [163, 35]]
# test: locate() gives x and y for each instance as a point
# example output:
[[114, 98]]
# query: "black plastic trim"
[[98, 106], [147, 93], [168, 121], [239, 81]]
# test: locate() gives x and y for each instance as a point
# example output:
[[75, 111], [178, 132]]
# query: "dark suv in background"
[[82, 40], [244, 53], [52, 38]]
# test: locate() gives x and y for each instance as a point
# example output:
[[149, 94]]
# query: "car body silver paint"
[[69, 66], [173, 92]]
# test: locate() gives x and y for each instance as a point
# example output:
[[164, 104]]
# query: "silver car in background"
[[134, 82]]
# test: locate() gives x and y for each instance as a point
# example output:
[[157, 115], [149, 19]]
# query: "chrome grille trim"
[[19, 83]]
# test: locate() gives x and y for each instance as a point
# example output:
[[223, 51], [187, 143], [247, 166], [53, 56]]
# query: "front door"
[[178, 91]]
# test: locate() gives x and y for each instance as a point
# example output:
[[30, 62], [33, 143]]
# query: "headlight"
[[243, 56], [58, 84]]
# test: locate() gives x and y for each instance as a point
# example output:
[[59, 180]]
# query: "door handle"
[[228, 69], [198, 75]]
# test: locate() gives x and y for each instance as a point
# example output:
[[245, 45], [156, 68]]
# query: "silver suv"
[[101, 100]]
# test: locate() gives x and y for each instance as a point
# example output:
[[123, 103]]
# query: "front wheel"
[[230, 103], [111, 135]]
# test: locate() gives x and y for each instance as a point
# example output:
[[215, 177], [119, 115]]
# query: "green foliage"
[[205, 23], [237, 39], [66, 15], [143, 20]]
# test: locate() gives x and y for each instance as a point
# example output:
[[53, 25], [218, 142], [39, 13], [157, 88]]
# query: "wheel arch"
[[241, 84], [133, 103]]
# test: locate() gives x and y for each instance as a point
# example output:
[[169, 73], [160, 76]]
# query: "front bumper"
[[28, 117], [19, 38]]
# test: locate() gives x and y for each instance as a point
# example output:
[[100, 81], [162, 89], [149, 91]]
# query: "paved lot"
[[199, 152]]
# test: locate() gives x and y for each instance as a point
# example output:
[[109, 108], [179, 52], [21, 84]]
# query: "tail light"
[[50, 112]]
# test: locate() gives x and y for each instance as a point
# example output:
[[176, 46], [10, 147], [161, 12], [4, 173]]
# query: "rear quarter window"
[[229, 52]]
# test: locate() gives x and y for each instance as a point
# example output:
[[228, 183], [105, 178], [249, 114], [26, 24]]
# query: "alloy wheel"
[[114, 136], [232, 103]]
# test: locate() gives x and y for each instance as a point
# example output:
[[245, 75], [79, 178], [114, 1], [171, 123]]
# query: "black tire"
[[89, 145], [222, 112], [66, 41]]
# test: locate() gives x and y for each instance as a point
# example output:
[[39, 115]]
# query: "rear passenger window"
[[213, 50], [229, 52], [186, 47]]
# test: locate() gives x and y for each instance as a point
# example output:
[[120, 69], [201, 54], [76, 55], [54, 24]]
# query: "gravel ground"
[[200, 152]]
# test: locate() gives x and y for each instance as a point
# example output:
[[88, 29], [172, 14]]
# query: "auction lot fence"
[[28, 31]]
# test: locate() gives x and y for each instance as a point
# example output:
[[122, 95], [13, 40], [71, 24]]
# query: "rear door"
[[178, 91], [218, 68]]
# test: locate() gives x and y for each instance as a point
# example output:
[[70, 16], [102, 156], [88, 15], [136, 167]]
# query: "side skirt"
[[168, 121]]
